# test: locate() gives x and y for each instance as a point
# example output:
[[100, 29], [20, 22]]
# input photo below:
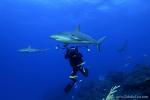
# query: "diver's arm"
[[80, 55], [67, 54]]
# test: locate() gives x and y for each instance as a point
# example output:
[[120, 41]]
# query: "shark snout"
[[61, 38], [53, 36]]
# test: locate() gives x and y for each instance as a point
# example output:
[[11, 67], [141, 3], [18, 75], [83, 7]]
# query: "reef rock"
[[135, 82]]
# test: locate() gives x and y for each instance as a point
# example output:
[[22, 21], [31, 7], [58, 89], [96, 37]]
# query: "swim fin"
[[69, 87]]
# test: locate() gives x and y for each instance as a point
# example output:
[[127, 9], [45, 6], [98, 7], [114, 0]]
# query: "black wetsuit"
[[76, 61]]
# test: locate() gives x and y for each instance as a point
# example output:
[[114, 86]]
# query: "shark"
[[29, 49], [77, 37], [124, 47]]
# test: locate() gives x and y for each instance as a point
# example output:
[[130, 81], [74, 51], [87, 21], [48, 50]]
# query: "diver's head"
[[74, 49]]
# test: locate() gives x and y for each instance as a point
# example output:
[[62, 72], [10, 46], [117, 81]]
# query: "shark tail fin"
[[100, 41]]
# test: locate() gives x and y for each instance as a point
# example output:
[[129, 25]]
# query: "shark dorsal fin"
[[77, 28], [29, 47]]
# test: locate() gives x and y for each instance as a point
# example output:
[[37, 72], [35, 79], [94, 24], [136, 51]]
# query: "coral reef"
[[111, 95], [138, 81], [133, 83]]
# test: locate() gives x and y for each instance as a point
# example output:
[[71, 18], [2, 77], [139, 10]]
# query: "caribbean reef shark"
[[77, 37], [31, 50]]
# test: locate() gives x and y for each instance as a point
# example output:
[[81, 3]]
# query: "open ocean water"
[[43, 75]]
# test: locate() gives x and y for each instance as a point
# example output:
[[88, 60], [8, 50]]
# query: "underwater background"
[[43, 76]]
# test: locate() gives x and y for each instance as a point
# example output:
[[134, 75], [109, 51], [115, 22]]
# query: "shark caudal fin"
[[100, 41]]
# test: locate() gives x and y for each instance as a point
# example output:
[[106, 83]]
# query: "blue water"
[[43, 75]]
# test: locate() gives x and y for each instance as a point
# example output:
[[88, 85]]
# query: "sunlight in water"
[[100, 4]]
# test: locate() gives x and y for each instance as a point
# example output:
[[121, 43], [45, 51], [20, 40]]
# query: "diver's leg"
[[73, 80], [69, 86], [73, 76], [84, 71]]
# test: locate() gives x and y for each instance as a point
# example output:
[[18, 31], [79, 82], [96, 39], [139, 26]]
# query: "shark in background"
[[78, 38], [29, 49], [124, 47]]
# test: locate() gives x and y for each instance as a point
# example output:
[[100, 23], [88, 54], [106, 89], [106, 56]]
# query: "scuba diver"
[[77, 63]]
